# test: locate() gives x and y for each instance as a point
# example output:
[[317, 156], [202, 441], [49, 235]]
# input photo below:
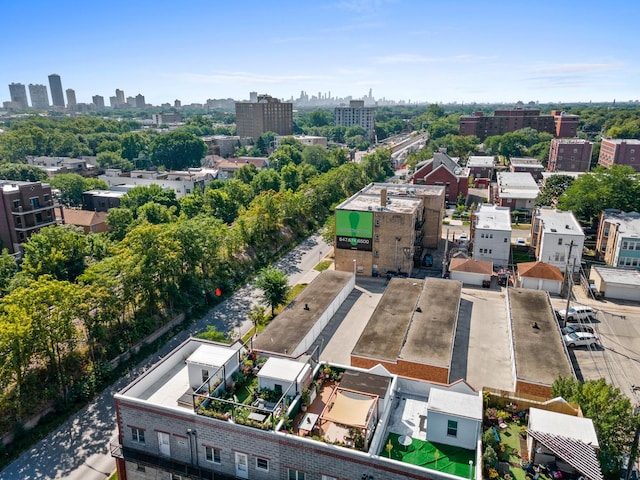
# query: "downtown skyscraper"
[[57, 95], [39, 97], [18, 94]]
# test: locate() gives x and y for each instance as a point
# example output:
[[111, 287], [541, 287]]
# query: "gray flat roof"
[[627, 277], [371, 202], [540, 354], [403, 189], [384, 334], [493, 217], [287, 330], [480, 161], [432, 331], [396, 330], [559, 221]]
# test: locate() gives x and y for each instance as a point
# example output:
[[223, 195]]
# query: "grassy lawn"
[[245, 393], [436, 456], [522, 257], [323, 265]]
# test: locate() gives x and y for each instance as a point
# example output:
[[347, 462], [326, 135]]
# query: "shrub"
[[490, 458], [489, 439]]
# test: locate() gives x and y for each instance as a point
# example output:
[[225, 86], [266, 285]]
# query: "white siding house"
[[492, 234], [557, 238], [454, 418]]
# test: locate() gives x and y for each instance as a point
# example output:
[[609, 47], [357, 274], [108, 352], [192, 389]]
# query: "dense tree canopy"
[[71, 186], [22, 172], [611, 413], [617, 187], [177, 150], [553, 188], [274, 285]]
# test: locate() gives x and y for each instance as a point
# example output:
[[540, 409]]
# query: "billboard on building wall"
[[354, 230]]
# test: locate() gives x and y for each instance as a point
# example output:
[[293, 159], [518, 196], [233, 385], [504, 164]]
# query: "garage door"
[[622, 292]]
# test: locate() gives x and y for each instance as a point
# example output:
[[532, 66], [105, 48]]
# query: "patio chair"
[[502, 424]]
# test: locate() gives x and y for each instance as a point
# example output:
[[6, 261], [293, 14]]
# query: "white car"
[[578, 339], [521, 242], [577, 313]]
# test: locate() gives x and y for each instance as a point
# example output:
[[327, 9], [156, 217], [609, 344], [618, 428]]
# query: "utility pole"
[[569, 280], [444, 258]]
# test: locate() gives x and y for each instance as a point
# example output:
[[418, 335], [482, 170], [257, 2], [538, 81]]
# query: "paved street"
[[79, 449]]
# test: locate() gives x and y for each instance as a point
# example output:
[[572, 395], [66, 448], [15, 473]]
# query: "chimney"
[[383, 197]]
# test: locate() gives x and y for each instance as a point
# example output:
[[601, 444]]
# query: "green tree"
[[120, 221], [133, 144], [320, 118], [611, 413], [317, 156], [553, 188], [246, 173], [16, 345], [617, 187], [71, 186], [58, 251], [177, 150], [266, 180], [113, 160], [8, 269], [274, 285], [257, 315], [22, 173], [139, 196]]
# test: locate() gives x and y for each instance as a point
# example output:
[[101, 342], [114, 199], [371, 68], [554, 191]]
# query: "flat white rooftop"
[[627, 277], [454, 403], [480, 161], [213, 355], [282, 369], [558, 221], [578, 428], [372, 202], [493, 217]]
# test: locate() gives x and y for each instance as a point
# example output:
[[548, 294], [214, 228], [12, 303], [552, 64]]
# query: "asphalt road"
[[79, 449]]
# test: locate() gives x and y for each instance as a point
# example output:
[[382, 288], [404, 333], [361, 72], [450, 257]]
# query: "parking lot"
[[617, 360]]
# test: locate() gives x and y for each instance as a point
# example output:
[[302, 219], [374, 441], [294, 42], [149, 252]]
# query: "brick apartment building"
[[386, 228], [443, 170], [267, 114], [558, 123], [357, 115], [620, 152], [618, 239], [25, 208], [569, 155]]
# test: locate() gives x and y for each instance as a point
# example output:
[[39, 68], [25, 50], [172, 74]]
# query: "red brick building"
[[558, 123], [618, 151], [442, 170], [569, 155]]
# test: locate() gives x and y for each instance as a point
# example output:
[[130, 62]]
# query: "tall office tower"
[[131, 102], [71, 98], [253, 97], [113, 101], [18, 94], [268, 114], [177, 104], [57, 96], [120, 97], [39, 96], [98, 101], [140, 103]]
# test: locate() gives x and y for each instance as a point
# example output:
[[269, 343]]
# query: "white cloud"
[[241, 77]]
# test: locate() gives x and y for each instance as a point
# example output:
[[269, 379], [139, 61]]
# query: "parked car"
[[577, 328], [577, 313], [578, 339]]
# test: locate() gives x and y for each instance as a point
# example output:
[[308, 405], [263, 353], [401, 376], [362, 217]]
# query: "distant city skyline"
[[405, 50]]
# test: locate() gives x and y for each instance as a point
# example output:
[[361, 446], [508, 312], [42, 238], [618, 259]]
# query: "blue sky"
[[412, 50]]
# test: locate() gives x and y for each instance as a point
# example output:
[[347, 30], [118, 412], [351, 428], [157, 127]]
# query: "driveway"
[[79, 448]]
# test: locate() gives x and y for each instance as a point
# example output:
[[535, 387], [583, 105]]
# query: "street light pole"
[[354, 267]]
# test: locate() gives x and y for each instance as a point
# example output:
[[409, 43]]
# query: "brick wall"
[[282, 451], [533, 389], [420, 371]]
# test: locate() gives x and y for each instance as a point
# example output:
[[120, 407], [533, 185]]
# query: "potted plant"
[[306, 399]]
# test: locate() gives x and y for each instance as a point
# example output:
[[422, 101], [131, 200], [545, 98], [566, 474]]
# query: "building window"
[[137, 435], [505, 240], [377, 222], [16, 204], [212, 454], [376, 254], [377, 238], [35, 202], [262, 464], [452, 428], [296, 474], [205, 374], [560, 241], [625, 245], [490, 251]]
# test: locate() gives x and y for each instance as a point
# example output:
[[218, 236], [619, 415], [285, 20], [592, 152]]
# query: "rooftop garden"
[[435, 456]]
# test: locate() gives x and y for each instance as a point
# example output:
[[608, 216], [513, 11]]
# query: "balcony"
[[28, 210], [165, 463], [28, 228]]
